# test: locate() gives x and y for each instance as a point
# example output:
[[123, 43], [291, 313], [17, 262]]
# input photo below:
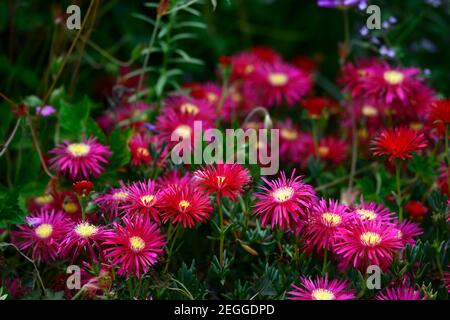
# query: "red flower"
[[440, 115], [416, 209], [226, 180], [398, 143], [315, 106], [140, 154], [332, 150], [83, 187], [184, 204], [305, 63]]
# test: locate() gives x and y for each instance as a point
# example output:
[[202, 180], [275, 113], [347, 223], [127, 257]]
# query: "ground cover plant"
[[98, 200]]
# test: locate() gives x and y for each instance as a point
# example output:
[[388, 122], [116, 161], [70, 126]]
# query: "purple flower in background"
[[337, 3], [45, 111]]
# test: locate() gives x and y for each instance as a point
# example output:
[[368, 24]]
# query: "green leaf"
[[10, 211], [118, 141], [73, 118]]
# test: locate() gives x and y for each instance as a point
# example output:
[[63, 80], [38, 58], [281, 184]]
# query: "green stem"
[[324, 266], [172, 245], [222, 234], [315, 136], [354, 153], [399, 192]]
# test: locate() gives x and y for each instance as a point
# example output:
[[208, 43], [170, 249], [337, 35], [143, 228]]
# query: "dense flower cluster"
[[363, 182]]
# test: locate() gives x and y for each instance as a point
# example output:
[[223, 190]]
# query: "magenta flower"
[[295, 146], [322, 289], [281, 82], [82, 238], [361, 244], [200, 109], [111, 201], [370, 211], [407, 230], [135, 246], [325, 220], [42, 235], [80, 160], [338, 3], [45, 111], [283, 202], [174, 178], [142, 199], [399, 293]]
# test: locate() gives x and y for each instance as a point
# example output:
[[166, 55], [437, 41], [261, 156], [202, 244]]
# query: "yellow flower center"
[[183, 131], [363, 133], [399, 234], [323, 151], [366, 214], [85, 229], [249, 69], [416, 126], [120, 196], [236, 97], [322, 294], [362, 73], [45, 199], [189, 108], [78, 149], [184, 204], [220, 180], [44, 231], [393, 77], [289, 134], [278, 79], [283, 194], [212, 97], [331, 219], [70, 207], [369, 111], [143, 152], [148, 199], [137, 243], [370, 239]]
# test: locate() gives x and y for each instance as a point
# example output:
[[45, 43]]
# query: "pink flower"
[[325, 220], [111, 201], [407, 230], [135, 246], [283, 202], [321, 289], [80, 160], [360, 244], [294, 145], [180, 125], [399, 293], [280, 83], [141, 200], [201, 107], [42, 235], [371, 211], [84, 237], [174, 178]]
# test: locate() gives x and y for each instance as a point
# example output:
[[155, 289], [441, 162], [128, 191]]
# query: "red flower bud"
[[83, 187]]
